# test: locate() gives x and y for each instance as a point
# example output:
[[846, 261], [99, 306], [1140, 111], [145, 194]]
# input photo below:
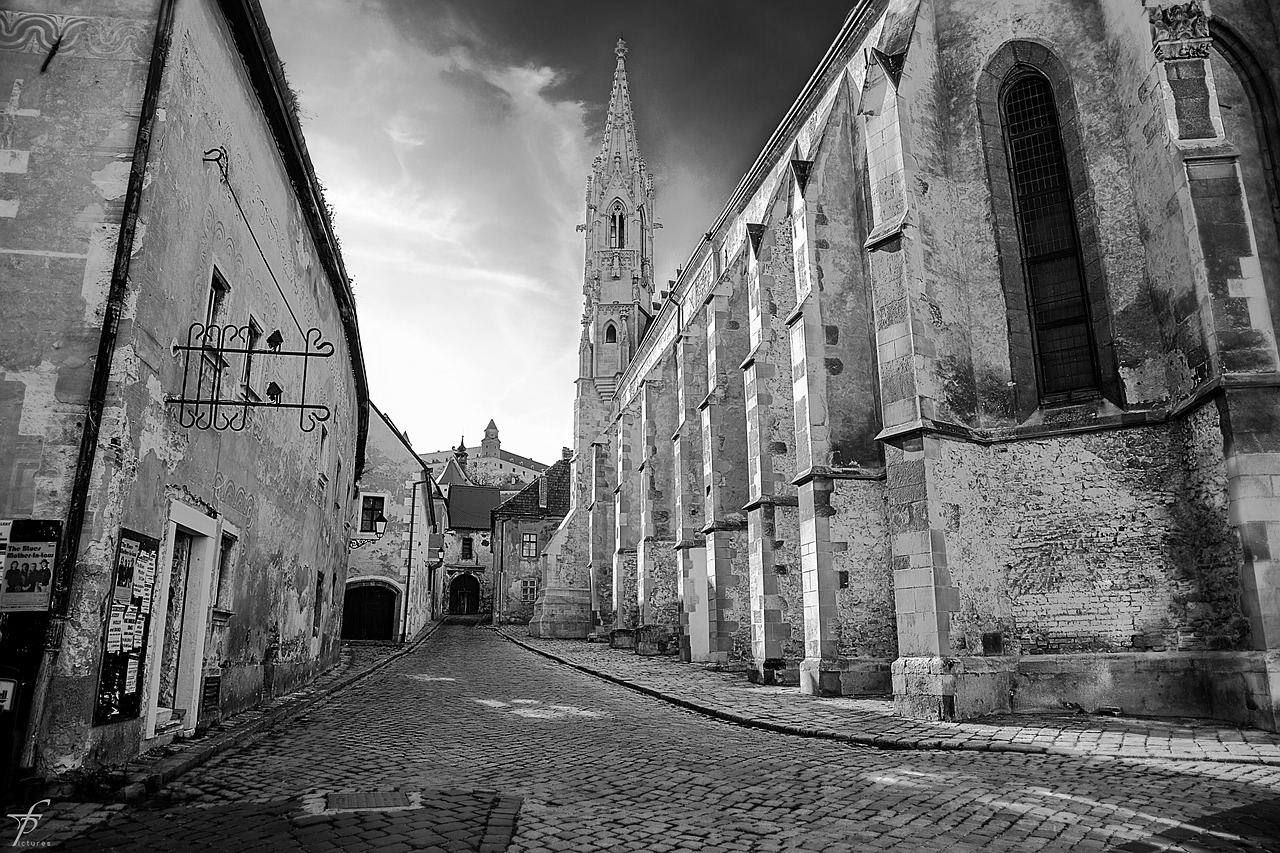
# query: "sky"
[[454, 139]]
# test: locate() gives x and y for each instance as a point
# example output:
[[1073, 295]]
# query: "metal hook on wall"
[[219, 157]]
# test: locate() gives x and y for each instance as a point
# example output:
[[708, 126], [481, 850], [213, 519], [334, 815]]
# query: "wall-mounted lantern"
[[379, 527]]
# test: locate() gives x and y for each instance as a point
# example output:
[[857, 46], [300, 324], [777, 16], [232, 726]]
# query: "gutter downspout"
[[69, 547]]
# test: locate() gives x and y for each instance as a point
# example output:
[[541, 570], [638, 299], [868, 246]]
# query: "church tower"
[[618, 280], [490, 445], [617, 307]]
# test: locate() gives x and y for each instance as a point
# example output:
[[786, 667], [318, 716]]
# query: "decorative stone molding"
[[1180, 31]]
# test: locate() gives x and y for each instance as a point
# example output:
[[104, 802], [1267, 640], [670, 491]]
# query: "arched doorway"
[[369, 612], [464, 595]]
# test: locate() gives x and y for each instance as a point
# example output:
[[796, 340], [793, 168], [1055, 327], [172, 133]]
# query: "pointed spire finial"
[[621, 49]]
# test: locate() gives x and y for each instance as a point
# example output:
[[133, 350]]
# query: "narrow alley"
[[471, 742]]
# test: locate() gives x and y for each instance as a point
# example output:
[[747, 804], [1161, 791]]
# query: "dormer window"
[[617, 227], [610, 334]]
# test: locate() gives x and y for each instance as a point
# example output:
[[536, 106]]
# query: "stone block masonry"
[[976, 461]]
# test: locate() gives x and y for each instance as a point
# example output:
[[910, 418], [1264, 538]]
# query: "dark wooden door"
[[369, 613]]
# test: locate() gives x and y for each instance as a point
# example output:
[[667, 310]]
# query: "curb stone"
[[168, 769], [896, 742]]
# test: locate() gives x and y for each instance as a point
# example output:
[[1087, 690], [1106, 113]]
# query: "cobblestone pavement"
[[480, 737], [871, 721]]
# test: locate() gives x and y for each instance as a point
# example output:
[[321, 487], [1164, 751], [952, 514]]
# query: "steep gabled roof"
[[526, 502], [469, 506], [453, 475]]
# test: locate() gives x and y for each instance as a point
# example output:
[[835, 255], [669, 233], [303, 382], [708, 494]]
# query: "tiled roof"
[[526, 503], [469, 506]]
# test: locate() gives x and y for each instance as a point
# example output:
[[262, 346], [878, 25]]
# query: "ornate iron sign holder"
[[211, 344]]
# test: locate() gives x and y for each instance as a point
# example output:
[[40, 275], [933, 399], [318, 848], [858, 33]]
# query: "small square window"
[[371, 506], [528, 591], [529, 546]]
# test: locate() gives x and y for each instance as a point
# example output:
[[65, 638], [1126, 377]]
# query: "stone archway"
[[369, 612], [464, 595]]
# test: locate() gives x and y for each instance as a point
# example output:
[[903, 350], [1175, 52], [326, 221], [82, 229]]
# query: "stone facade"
[[522, 526], [389, 594], [156, 193], [970, 393]]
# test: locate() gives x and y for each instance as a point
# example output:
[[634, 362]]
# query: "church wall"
[[907, 493], [1102, 542]]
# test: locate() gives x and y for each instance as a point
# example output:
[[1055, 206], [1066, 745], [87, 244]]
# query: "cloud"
[[456, 178]]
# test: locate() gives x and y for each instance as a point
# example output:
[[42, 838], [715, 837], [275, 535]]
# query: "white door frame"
[[206, 533]]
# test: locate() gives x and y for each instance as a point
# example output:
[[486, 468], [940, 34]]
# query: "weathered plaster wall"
[[391, 469], [510, 606], [266, 480]]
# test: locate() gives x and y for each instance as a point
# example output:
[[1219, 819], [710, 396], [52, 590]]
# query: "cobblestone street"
[[471, 742]]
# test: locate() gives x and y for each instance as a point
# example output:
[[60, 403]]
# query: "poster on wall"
[[124, 642], [31, 549]]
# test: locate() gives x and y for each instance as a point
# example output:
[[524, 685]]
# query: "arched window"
[[617, 227], [1048, 235], [610, 334]]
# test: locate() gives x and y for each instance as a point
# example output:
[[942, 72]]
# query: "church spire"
[[619, 225], [620, 124]]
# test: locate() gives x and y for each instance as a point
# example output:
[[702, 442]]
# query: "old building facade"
[[389, 589], [522, 526], [970, 394], [182, 391]]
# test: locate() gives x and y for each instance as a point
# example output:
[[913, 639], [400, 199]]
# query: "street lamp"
[[379, 528]]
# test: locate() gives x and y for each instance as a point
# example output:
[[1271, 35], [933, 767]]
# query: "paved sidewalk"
[[79, 807], [729, 696]]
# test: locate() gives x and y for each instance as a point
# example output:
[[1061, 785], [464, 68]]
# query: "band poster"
[[29, 549], [120, 684]]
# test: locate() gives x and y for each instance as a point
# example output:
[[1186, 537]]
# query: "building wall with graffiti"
[[182, 384]]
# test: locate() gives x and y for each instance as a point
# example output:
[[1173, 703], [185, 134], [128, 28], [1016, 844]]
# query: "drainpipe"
[[69, 547]]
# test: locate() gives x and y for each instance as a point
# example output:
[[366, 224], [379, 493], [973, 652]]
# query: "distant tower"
[[618, 286], [460, 453], [490, 445]]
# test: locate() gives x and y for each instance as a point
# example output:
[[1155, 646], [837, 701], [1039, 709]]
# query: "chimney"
[[566, 453]]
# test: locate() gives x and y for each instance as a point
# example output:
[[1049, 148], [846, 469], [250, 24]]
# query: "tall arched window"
[[610, 334], [1053, 268], [617, 227]]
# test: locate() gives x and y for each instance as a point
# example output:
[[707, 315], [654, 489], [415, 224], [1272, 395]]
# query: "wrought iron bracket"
[[206, 408]]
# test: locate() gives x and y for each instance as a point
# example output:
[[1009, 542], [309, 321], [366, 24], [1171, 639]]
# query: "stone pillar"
[[603, 531], [844, 554], [1237, 320], [563, 608], [777, 613], [691, 552], [626, 599], [725, 470], [658, 579]]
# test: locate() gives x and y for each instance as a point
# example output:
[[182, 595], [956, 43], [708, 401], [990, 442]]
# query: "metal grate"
[[367, 800], [1046, 224]]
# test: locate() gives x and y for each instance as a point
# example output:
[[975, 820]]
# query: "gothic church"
[[972, 393]]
